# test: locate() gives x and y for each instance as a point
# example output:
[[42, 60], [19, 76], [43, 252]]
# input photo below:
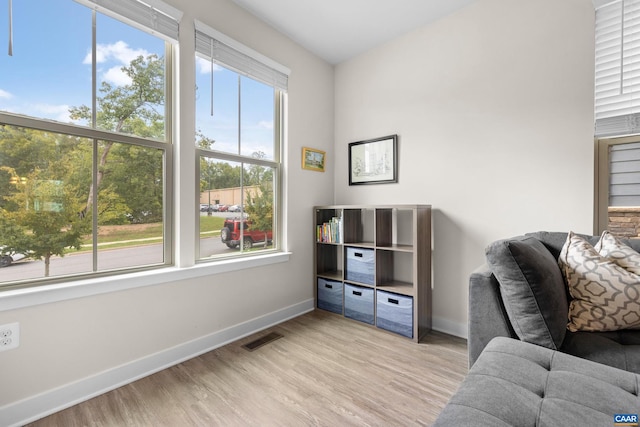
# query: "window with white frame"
[[617, 118], [239, 110], [85, 138]]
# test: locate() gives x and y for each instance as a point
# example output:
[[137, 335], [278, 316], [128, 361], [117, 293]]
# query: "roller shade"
[[617, 68], [221, 49], [153, 16]]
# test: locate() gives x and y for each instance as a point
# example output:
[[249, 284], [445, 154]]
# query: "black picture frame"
[[374, 161]]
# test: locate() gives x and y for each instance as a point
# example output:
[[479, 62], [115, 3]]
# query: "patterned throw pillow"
[[606, 296], [610, 247]]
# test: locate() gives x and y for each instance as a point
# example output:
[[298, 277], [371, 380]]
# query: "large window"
[[617, 114], [85, 138], [239, 106]]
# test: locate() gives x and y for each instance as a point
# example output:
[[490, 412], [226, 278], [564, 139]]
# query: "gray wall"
[[493, 106]]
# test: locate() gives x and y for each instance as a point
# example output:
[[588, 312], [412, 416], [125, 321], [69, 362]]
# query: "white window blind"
[[219, 48], [153, 16], [624, 174], [617, 68]]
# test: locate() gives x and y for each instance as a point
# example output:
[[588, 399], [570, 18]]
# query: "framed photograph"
[[374, 161], [313, 159]]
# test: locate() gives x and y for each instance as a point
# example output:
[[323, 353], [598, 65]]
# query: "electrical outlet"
[[9, 336]]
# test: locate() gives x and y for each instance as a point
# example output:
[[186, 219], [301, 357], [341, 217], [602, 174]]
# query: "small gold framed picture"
[[313, 159]]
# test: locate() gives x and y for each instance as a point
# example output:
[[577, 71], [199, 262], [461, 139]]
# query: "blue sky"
[[50, 71]]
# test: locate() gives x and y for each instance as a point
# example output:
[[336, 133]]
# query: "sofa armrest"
[[487, 315]]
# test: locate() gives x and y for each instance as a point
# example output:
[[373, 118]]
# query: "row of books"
[[330, 232]]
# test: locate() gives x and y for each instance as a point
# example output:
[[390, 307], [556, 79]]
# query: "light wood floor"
[[325, 371]]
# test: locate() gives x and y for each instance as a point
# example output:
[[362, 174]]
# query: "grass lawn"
[[116, 236]]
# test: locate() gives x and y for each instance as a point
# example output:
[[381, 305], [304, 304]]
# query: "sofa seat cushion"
[[620, 349], [532, 289], [514, 383]]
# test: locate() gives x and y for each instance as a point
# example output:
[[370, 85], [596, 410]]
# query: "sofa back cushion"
[[555, 240], [532, 288]]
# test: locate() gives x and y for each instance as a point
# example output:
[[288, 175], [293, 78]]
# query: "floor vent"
[[262, 341]]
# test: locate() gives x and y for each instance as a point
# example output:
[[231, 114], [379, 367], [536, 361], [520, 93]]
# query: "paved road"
[[144, 254], [107, 259]]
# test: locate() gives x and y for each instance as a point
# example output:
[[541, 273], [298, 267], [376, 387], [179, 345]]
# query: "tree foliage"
[[259, 204], [132, 109], [46, 222]]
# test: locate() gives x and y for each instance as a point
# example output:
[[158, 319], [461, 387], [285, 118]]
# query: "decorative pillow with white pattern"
[[609, 246], [606, 296]]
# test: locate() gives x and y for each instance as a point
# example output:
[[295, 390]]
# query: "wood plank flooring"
[[324, 371]]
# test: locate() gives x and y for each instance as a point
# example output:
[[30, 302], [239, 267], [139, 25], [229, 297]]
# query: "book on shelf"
[[330, 232]]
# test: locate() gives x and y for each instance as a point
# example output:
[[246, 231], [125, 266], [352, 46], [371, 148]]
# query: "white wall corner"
[[49, 402]]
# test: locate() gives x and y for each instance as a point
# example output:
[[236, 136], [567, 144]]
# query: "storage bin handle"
[[358, 254], [326, 285], [357, 293], [393, 300]]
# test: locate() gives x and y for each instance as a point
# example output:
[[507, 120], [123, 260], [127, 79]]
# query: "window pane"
[[221, 128], [46, 207], [131, 82], [236, 208], [246, 130], [50, 73], [130, 207], [257, 119], [46, 74], [624, 189], [259, 205], [44, 184]]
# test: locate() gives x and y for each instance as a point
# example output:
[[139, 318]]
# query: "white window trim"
[[12, 299]]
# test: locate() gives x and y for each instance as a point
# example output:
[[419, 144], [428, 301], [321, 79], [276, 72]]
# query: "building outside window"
[[85, 139]]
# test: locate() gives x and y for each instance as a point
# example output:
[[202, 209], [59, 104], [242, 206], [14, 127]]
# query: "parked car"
[[204, 207], [7, 259], [235, 208], [223, 208], [231, 234]]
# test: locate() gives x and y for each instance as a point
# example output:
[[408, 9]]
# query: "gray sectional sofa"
[[526, 368], [514, 383], [533, 304]]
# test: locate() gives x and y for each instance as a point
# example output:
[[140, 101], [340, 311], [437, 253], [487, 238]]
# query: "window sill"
[[45, 294]]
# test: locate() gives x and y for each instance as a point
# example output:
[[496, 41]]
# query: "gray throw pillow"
[[532, 289]]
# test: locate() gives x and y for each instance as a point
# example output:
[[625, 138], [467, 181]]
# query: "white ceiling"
[[337, 30]]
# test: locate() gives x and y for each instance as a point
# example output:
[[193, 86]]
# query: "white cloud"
[[115, 76], [5, 95], [204, 66], [119, 53], [53, 112], [264, 124]]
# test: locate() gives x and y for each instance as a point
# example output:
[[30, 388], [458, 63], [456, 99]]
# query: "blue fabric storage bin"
[[330, 295], [360, 265], [358, 303], [394, 313]]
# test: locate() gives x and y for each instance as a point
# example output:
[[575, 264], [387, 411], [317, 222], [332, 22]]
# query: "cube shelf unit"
[[386, 249]]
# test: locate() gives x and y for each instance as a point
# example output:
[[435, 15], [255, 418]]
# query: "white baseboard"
[[49, 402], [449, 327]]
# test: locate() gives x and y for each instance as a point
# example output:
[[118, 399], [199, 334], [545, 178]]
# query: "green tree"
[[131, 108], [259, 204], [47, 222]]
